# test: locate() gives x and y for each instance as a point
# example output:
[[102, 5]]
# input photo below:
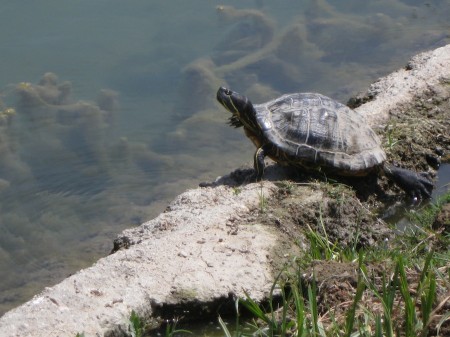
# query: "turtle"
[[311, 131]]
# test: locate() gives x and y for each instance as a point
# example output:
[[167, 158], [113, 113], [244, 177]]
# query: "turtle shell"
[[315, 131]]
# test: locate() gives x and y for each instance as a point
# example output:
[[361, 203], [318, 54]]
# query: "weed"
[[390, 140], [171, 329], [224, 328], [286, 186], [236, 190], [136, 326], [408, 306], [321, 248], [262, 199], [426, 216]]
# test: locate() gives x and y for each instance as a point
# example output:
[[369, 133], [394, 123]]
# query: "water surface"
[[78, 163]]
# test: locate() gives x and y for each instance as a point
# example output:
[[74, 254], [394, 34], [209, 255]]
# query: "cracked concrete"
[[425, 71], [187, 253], [198, 250]]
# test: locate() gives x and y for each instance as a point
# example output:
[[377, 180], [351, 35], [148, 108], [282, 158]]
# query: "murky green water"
[[78, 164]]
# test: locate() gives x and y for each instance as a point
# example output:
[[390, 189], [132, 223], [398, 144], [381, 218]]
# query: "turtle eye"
[[228, 92]]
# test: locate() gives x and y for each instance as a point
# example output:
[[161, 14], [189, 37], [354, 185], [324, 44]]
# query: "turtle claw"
[[253, 177], [417, 185], [423, 185]]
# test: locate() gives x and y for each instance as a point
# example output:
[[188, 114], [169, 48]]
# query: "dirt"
[[230, 237], [415, 134], [421, 132], [417, 137], [336, 284], [333, 211], [442, 221]]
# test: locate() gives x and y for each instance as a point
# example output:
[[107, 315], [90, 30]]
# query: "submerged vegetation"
[[61, 162], [312, 51]]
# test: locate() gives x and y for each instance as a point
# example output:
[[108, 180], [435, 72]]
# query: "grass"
[[405, 299], [262, 199], [403, 307], [137, 327], [391, 141], [403, 291]]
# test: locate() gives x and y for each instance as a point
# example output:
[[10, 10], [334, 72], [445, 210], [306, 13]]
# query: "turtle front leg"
[[259, 164], [418, 185]]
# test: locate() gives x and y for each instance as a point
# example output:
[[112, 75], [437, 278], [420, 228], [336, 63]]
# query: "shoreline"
[[198, 251]]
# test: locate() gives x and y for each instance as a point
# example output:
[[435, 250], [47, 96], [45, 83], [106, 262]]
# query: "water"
[[397, 214], [78, 165]]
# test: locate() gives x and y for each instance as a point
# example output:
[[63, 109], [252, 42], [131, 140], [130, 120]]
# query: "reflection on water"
[[74, 172]]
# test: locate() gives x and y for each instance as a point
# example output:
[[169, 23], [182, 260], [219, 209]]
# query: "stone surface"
[[196, 251], [184, 254], [425, 71]]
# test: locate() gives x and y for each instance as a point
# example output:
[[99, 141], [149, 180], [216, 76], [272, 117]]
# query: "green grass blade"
[[409, 304], [136, 325], [426, 266], [443, 319], [389, 290], [254, 308], [350, 319], [284, 316], [299, 311], [224, 328], [378, 326], [427, 299], [312, 300], [361, 286]]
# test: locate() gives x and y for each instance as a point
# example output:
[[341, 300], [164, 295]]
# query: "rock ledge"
[[198, 250]]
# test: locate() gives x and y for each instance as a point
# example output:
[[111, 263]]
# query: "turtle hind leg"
[[417, 185]]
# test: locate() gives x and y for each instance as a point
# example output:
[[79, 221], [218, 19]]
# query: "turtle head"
[[244, 113]]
